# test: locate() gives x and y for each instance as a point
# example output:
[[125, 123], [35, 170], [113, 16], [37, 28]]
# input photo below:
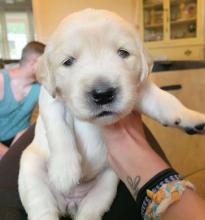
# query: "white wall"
[[48, 13]]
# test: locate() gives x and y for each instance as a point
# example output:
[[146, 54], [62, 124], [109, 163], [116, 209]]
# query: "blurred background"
[[170, 29]]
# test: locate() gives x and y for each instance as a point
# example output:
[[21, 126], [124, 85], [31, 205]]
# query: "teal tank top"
[[15, 116]]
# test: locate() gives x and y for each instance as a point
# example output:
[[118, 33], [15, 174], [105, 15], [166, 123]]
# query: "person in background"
[[19, 94]]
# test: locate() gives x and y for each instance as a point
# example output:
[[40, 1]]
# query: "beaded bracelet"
[[168, 194], [154, 184]]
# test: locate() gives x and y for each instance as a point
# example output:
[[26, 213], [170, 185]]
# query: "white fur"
[[65, 169]]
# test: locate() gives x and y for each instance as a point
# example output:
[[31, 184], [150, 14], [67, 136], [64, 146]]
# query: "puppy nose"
[[103, 94]]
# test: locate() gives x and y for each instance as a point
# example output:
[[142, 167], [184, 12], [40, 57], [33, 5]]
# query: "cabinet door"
[[183, 19], [153, 20]]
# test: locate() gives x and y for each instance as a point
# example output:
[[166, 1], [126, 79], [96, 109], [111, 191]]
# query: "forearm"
[[190, 207], [136, 165], [130, 155], [139, 167]]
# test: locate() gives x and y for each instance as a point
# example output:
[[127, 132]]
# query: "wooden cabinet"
[[186, 153], [173, 29]]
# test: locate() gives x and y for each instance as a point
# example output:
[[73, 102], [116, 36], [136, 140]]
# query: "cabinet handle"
[[171, 87], [188, 52]]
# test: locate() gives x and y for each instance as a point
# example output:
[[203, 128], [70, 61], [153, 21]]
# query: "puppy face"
[[94, 62]]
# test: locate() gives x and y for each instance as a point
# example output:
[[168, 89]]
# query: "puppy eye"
[[69, 61], [123, 53]]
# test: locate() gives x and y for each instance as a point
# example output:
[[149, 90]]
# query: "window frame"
[[25, 7]]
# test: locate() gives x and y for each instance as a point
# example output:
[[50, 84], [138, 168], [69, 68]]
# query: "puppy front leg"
[[168, 110], [100, 197], [34, 189], [64, 161]]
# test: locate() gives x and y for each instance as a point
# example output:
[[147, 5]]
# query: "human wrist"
[[164, 180], [135, 182], [149, 165], [137, 170]]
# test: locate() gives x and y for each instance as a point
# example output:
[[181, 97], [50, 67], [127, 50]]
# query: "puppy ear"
[[146, 64], [45, 76]]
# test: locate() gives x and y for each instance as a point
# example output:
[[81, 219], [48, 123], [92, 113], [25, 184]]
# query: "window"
[[16, 28]]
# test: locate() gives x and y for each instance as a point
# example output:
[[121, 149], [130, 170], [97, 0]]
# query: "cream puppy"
[[94, 72]]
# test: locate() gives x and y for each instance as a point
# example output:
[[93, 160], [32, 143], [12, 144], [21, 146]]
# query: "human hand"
[[129, 154]]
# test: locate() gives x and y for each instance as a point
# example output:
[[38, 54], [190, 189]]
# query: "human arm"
[[3, 149], [130, 155], [191, 206]]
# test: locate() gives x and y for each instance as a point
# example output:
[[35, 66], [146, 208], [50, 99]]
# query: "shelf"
[[179, 21], [154, 25], [154, 5]]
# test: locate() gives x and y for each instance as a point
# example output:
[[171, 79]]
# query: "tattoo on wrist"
[[134, 185]]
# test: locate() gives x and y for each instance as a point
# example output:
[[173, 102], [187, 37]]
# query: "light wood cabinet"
[[172, 29], [185, 152]]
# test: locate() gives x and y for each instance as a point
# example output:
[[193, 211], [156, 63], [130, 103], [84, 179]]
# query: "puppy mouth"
[[104, 114]]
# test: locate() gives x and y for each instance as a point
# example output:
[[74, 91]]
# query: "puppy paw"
[[193, 122], [64, 172], [190, 121], [197, 129]]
